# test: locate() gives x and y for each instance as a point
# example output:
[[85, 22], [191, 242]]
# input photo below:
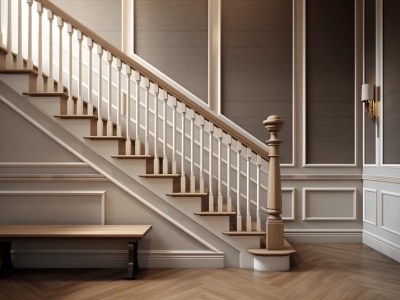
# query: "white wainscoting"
[[288, 204], [369, 206], [390, 212], [52, 207], [329, 204]]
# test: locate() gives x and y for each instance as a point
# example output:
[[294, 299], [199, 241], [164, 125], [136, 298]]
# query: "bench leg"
[[133, 263], [6, 265]]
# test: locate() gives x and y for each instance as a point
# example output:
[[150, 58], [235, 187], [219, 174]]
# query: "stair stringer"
[[60, 135]]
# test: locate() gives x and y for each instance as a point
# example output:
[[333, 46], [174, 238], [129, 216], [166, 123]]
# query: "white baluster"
[[146, 116], [220, 199], [137, 117], [165, 124], [228, 173], [70, 101], [9, 56], [29, 63], [156, 158], [79, 104], [183, 148], [192, 176], [109, 95], [128, 142], [90, 79], [119, 93], [201, 180], [40, 81], [258, 163], [238, 214], [60, 85], [210, 175], [20, 60], [100, 92], [50, 79], [174, 105], [248, 215]]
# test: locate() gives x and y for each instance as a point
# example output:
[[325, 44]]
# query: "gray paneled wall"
[[369, 75], [391, 86], [330, 81], [172, 35], [101, 16], [256, 65]]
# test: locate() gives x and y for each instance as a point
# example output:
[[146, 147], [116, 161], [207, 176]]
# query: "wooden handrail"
[[198, 108]]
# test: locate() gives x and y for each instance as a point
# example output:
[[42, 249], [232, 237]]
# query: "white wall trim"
[[364, 207], [380, 178], [324, 235], [322, 177], [382, 209], [43, 164], [116, 259], [53, 177], [382, 245], [304, 204], [102, 195], [107, 175]]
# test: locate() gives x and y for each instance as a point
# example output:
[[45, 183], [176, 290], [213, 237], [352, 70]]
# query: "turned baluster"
[[274, 224], [210, 171], [219, 198], [238, 213], [70, 102], [1, 31], [40, 80], [20, 60], [60, 24], [192, 175], [50, 79], [156, 158], [128, 142], [146, 116], [9, 56], [183, 150], [165, 124], [90, 74], [100, 91], [119, 93], [79, 104], [29, 62], [174, 104], [137, 115], [228, 173], [248, 215], [109, 95], [201, 173], [258, 164]]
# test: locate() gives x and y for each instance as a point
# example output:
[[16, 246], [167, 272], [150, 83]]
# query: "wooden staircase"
[[113, 142]]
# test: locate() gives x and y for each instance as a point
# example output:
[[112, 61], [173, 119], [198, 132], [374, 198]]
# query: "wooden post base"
[[275, 235]]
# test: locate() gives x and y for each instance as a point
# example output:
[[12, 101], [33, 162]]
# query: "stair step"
[[105, 138], [45, 94], [244, 233], [19, 71], [197, 194], [287, 249], [215, 213], [75, 117], [160, 175], [132, 156]]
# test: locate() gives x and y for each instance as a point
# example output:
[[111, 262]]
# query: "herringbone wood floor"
[[330, 271]]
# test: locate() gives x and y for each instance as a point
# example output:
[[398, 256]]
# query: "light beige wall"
[[101, 16]]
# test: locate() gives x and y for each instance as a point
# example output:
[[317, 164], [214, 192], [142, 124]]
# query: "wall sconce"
[[367, 97]]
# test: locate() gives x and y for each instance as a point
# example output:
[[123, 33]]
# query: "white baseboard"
[[382, 245], [116, 259], [323, 235]]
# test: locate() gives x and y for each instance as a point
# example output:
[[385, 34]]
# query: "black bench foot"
[[6, 266], [133, 264]]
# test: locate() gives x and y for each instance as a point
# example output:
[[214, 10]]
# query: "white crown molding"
[[379, 178]]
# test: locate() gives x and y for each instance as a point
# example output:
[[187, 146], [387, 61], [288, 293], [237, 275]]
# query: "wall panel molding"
[[292, 204], [373, 208], [390, 212], [306, 205]]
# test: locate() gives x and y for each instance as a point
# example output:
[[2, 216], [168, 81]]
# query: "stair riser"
[[159, 186], [49, 105], [133, 167], [213, 223], [103, 148], [21, 83], [78, 127], [188, 205]]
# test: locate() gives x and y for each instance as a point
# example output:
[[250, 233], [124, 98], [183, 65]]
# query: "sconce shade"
[[367, 92]]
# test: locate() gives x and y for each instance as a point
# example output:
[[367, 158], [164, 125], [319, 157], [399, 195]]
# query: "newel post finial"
[[274, 226]]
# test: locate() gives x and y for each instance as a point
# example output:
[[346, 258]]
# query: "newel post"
[[274, 226]]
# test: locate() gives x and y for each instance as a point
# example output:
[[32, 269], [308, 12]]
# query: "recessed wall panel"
[[391, 86], [391, 212], [329, 82], [256, 65]]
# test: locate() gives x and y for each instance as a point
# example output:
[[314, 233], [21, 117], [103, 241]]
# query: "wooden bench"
[[133, 233]]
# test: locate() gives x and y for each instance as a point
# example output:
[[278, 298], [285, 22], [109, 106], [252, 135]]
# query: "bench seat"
[[133, 233]]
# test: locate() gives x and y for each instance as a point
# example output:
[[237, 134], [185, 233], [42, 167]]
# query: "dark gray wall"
[[330, 81], [172, 35], [391, 86], [256, 65]]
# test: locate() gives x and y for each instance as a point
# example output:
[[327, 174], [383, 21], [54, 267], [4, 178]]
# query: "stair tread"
[[132, 156], [195, 194], [19, 71], [244, 233], [215, 213], [287, 249], [45, 94], [160, 175], [105, 138], [74, 117]]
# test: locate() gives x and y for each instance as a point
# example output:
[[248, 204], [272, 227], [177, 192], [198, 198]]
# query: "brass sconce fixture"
[[367, 97]]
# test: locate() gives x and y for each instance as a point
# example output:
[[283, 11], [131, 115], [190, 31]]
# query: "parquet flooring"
[[323, 271]]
